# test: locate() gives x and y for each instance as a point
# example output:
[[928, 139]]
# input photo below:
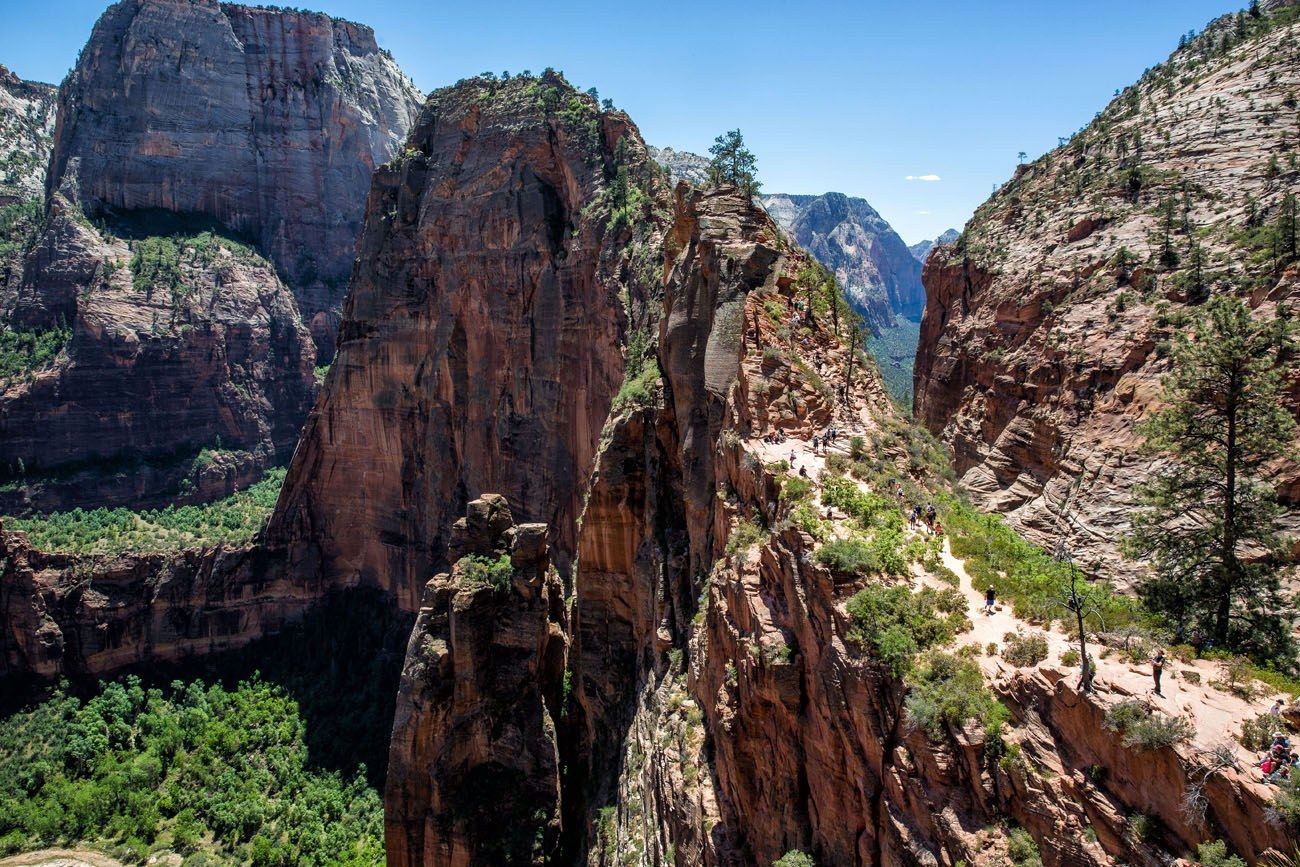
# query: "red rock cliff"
[[1044, 336], [268, 121], [481, 342]]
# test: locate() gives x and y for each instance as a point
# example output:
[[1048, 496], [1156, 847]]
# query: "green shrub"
[[496, 573], [892, 624], [945, 691], [794, 858], [837, 463], [796, 489], [1257, 734], [227, 769], [1022, 850], [233, 520], [1143, 729], [1071, 658], [743, 536], [857, 447], [852, 556], [1215, 854], [1023, 650]]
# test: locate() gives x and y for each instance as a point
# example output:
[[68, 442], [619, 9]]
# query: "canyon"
[[1047, 325], [568, 431]]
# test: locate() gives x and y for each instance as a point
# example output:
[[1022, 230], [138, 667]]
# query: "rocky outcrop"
[[922, 249], [1046, 329], [175, 346], [27, 115], [474, 740], [878, 273], [681, 165], [187, 131], [482, 340], [268, 121]]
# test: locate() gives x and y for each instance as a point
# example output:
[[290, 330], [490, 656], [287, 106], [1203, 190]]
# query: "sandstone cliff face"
[[183, 118], [65, 615], [1043, 340], [26, 129], [481, 344], [879, 274], [27, 115], [268, 121], [151, 371]]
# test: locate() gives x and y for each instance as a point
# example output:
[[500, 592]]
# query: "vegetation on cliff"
[[232, 521], [220, 775]]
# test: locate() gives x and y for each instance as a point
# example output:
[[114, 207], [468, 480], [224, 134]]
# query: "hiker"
[[803, 471], [938, 530], [816, 443], [990, 598], [911, 517], [930, 515], [1158, 668], [1276, 709]]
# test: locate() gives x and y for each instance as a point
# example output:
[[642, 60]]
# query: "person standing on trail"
[[990, 598], [1276, 709], [930, 515], [1158, 668], [816, 443]]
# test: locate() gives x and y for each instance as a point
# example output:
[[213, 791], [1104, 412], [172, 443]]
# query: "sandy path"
[[60, 858], [1215, 714]]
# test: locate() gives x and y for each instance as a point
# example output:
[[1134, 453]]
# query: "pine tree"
[[1209, 522], [733, 163]]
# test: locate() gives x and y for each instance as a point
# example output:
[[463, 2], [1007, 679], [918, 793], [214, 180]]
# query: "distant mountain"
[[922, 249], [880, 276], [681, 165], [26, 130]]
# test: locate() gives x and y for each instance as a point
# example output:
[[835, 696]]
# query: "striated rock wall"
[[151, 373], [1046, 328], [70, 615], [481, 344], [27, 113], [269, 121]]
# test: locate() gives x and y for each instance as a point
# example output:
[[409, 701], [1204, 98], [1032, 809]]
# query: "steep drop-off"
[[1046, 327], [187, 133], [269, 121]]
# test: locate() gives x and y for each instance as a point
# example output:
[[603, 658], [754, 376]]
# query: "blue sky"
[[854, 97]]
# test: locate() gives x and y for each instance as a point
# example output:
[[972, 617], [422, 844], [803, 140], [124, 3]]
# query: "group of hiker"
[[1277, 762], [927, 517], [827, 439]]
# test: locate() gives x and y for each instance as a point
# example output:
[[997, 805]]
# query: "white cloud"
[[922, 178], [923, 213]]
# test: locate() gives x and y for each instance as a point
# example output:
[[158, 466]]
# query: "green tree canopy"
[[1210, 516], [733, 163]]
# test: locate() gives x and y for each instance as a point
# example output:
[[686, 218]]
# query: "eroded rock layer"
[[269, 121], [189, 135], [482, 340], [1047, 325]]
